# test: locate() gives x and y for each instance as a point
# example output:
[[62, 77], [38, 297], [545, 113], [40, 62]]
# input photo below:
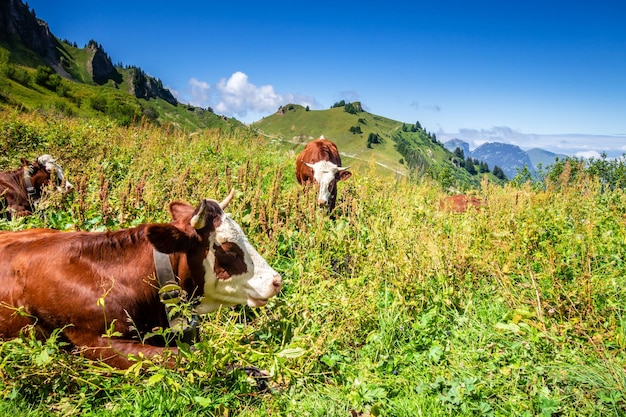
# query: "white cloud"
[[200, 92], [349, 96], [237, 97], [432, 107], [588, 154]]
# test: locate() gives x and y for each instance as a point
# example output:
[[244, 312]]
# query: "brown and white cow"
[[88, 283], [460, 203], [320, 163], [21, 189]]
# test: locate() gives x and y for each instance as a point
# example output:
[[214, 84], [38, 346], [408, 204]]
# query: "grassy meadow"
[[389, 308]]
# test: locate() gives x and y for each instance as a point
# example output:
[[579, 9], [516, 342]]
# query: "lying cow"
[[460, 203], [21, 189], [88, 283], [320, 163]]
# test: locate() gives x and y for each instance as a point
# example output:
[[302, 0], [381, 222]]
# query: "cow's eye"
[[225, 253], [227, 257]]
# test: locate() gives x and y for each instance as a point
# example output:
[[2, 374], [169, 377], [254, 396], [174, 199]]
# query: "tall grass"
[[389, 307]]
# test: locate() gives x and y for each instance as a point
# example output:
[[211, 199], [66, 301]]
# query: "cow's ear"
[[344, 175], [180, 210], [168, 238]]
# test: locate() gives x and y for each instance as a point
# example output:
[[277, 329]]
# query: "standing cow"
[[89, 283], [320, 163], [21, 189]]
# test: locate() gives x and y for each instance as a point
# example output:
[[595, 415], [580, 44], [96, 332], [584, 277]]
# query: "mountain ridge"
[[20, 25], [510, 158]]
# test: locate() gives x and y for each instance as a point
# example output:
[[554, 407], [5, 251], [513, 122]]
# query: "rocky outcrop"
[[100, 67], [19, 24], [146, 87]]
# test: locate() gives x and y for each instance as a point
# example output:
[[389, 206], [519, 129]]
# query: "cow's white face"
[[235, 272], [324, 173], [50, 165]]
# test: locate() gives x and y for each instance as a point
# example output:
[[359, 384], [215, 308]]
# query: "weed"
[[392, 307]]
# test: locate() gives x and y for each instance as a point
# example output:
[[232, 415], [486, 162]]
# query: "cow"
[[459, 203], [320, 163], [21, 189], [102, 288]]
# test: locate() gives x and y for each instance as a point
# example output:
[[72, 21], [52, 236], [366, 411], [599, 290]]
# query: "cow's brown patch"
[[229, 261]]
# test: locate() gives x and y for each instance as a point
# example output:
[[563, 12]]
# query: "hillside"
[[509, 157], [368, 140], [542, 158], [40, 72], [293, 125]]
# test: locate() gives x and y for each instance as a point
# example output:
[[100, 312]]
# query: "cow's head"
[[234, 272], [326, 175], [43, 171]]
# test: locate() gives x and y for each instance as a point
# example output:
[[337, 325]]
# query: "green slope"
[[24, 84], [402, 149], [297, 126]]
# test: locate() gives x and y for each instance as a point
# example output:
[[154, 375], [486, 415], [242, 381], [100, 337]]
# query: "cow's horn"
[[307, 164], [197, 221], [343, 168], [226, 201]]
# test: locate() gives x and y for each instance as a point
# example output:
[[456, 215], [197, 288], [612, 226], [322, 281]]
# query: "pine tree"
[[498, 173], [469, 166]]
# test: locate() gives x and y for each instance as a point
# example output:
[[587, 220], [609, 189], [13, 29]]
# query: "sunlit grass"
[[389, 307]]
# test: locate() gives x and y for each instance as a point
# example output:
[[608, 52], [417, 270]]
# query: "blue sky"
[[548, 74]]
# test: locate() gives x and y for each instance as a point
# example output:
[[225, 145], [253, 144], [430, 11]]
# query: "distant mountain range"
[[510, 158]]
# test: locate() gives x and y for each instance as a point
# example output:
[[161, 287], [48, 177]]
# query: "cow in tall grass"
[[21, 189], [319, 163], [460, 203], [108, 290]]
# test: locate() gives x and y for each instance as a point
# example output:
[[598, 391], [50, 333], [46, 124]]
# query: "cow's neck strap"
[[164, 271], [169, 294], [29, 184]]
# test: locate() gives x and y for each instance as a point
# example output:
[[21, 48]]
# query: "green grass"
[[390, 308]]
